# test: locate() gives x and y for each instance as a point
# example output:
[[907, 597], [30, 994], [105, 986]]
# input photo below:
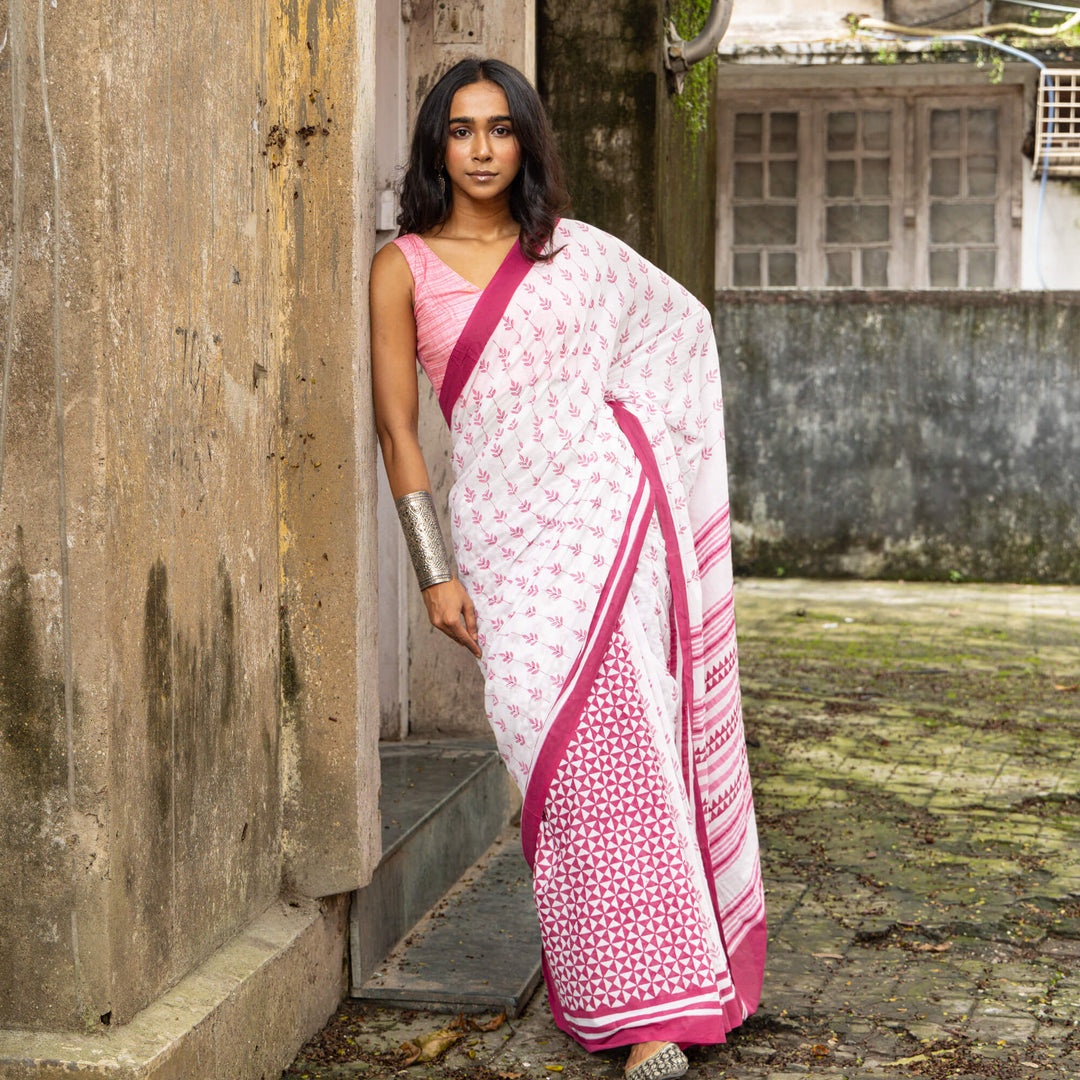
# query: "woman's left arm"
[[393, 370]]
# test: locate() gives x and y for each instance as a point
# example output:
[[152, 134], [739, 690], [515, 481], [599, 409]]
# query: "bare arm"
[[393, 364]]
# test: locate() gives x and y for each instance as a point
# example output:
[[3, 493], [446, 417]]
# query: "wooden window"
[[765, 198], [889, 189]]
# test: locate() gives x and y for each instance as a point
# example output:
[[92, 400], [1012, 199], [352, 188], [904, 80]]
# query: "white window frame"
[[909, 175]]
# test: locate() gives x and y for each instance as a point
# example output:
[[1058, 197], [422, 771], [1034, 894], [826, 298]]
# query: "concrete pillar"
[[188, 706], [641, 162]]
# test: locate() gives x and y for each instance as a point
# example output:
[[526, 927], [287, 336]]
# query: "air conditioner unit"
[[1057, 123]]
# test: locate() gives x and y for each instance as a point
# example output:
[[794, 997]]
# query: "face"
[[482, 153]]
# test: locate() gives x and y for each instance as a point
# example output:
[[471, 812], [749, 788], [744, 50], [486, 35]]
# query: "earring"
[[442, 184]]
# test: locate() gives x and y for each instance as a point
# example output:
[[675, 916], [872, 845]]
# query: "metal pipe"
[[680, 55]]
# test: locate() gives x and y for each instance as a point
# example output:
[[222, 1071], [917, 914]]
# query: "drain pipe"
[[680, 56]]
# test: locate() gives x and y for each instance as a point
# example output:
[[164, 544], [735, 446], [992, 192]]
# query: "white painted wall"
[[1054, 247], [793, 20]]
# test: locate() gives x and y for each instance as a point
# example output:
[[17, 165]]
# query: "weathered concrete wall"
[[599, 73], [323, 197], [187, 699], [919, 436], [635, 166]]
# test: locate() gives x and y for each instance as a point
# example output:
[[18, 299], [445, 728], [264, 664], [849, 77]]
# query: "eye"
[[502, 129], [459, 133]]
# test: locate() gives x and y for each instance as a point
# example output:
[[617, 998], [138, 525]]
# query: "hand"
[[451, 611]]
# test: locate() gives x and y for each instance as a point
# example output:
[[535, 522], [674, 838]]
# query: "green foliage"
[[694, 103], [887, 53], [993, 63]]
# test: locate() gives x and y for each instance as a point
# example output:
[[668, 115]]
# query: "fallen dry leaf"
[[429, 1047], [491, 1025], [467, 1023], [925, 946], [1068, 688], [820, 1050], [828, 955]]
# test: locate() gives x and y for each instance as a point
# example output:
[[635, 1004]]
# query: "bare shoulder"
[[391, 277]]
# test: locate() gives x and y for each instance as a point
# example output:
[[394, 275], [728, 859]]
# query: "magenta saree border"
[[478, 329], [633, 430], [583, 674], [747, 961]]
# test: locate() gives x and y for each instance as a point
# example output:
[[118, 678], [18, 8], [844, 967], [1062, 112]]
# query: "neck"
[[485, 221]]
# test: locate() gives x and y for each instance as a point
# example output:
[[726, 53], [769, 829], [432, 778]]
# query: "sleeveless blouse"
[[442, 303]]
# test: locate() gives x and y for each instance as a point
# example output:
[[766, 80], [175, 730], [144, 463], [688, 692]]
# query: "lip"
[[480, 175]]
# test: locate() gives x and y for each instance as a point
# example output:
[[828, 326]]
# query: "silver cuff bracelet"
[[416, 511]]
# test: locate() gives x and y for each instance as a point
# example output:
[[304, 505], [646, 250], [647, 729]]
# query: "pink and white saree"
[[590, 524]]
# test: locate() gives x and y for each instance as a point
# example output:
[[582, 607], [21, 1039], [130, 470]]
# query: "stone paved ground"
[[918, 788]]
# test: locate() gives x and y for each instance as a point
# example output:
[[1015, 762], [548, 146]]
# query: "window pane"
[[856, 224], [841, 131], [838, 265], [748, 133], [840, 179], [982, 176], [781, 268], [962, 223], [746, 267], [944, 269], [944, 129], [875, 268], [760, 225], [876, 128], [945, 176], [783, 133], [875, 176], [982, 129], [748, 179], [982, 269], [783, 177]]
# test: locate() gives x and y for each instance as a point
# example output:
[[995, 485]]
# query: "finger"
[[470, 619]]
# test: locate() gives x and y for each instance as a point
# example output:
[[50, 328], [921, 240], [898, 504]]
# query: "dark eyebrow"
[[469, 120]]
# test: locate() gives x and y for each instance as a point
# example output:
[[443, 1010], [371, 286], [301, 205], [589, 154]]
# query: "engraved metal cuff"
[[423, 537]]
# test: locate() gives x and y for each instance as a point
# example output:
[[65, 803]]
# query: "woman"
[[589, 512]]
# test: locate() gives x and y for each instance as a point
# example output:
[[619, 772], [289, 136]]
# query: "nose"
[[482, 148]]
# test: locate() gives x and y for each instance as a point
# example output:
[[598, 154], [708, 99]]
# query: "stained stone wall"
[[925, 436], [187, 699]]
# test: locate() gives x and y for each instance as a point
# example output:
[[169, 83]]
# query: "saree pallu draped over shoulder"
[[584, 403]]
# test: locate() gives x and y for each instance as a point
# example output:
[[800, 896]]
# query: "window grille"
[[898, 187], [1057, 123]]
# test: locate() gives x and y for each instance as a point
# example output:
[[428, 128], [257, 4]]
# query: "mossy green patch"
[[694, 104]]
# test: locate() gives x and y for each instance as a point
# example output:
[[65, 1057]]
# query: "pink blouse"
[[442, 303]]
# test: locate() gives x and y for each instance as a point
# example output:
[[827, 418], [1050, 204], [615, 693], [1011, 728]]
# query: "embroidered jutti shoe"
[[668, 1063]]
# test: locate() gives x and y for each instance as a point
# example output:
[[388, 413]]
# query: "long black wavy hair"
[[537, 194]]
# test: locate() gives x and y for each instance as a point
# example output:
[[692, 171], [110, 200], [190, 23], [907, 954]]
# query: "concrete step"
[[477, 950], [442, 804]]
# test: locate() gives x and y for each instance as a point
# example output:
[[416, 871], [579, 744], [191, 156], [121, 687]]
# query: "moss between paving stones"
[[917, 782]]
